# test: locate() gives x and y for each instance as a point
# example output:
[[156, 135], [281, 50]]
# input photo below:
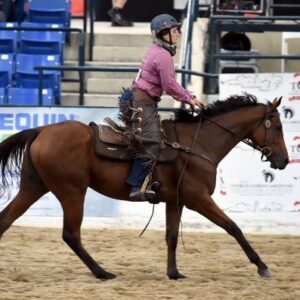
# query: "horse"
[[60, 158]]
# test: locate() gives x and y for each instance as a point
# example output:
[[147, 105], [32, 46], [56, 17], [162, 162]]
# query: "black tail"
[[11, 155]]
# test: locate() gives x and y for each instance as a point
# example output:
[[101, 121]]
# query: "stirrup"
[[136, 194]]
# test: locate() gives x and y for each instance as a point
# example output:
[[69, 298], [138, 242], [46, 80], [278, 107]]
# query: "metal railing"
[[88, 15], [187, 41], [80, 69]]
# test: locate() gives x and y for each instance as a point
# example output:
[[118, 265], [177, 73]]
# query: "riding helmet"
[[163, 21]]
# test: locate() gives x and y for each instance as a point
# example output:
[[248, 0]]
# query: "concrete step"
[[70, 87], [90, 99], [74, 74], [123, 40], [108, 100], [107, 86], [119, 54]]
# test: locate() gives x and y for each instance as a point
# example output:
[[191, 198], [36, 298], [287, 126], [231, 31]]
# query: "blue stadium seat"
[[6, 69], [8, 38], [2, 96], [27, 76], [41, 42], [52, 11], [28, 96]]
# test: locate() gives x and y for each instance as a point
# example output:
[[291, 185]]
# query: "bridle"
[[265, 149]]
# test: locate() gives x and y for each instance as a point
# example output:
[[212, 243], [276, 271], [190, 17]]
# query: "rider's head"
[[165, 30]]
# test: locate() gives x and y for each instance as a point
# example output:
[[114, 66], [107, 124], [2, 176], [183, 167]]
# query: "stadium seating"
[[41, 42], [2, 96], [53, 11], [8, 38], [27, 76], [28, 96], [6, 69]]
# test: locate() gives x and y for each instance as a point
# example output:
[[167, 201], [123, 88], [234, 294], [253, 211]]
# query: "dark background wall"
[[286, 11], [137, 10]]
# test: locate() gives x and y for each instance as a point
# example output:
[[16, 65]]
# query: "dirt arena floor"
[[36, 264]]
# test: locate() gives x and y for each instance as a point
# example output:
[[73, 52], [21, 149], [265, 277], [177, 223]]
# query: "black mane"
[[218, 107]]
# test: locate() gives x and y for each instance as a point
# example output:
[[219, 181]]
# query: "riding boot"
[[117, 19], [136, 178]]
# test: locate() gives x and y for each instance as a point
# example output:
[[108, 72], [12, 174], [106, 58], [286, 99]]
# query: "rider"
[[156, 75]]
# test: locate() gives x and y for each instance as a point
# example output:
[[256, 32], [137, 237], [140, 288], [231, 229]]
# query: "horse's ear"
[[276, 102]]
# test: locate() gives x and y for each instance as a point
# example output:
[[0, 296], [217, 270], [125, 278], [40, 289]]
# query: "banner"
[[245, 183]]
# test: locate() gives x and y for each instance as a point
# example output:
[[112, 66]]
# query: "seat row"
[[25, 96], [53, 11], [23, 50], [19, 71], [31, 42]]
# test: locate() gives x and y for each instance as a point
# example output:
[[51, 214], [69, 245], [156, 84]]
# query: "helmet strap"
[[168, 46]]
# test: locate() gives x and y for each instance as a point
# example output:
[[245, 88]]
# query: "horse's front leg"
[[208, 208], [173, 215]]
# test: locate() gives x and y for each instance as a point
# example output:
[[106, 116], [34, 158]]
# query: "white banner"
[[253, 186]]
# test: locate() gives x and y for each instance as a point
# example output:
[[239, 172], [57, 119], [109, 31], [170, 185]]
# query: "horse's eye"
[[278, 128]]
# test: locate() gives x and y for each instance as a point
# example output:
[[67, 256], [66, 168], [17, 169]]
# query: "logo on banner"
[[288, 112], [295, 88], [13, 122], [295, 150], [268, 82], [24, 120], [268, 176], [297, 205]]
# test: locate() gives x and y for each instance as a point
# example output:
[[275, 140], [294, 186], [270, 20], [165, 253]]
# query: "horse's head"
[[268, 136]]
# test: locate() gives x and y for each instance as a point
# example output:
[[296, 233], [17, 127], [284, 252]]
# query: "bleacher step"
[[107, 86], [72, 99], [122, 40], [118, 54]]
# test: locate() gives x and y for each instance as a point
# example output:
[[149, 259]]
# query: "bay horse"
[[60, 158]]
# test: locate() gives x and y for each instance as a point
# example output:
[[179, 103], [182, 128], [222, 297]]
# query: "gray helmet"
[[162, 22]]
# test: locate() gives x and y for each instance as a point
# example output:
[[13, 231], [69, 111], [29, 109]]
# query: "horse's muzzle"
[[279, 162]]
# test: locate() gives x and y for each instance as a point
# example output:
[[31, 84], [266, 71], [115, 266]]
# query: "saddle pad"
[[111, 144]]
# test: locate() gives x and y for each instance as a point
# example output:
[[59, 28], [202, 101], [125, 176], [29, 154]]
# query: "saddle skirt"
[[111, 143]]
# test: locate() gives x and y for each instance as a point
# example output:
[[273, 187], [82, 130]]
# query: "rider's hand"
[[196, 102]]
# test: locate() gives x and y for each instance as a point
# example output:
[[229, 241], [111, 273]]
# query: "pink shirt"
[[157, 75]]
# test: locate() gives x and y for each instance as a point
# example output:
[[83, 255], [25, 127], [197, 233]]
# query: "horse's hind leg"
[[31, 189], [173, 215], [73, 214], [208, 208]]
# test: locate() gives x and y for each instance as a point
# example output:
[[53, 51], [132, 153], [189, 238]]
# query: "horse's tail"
[[11, 155]]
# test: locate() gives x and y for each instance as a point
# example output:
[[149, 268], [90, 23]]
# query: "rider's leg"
[[147, 127]]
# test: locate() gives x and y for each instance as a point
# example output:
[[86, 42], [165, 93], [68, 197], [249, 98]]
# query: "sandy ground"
[[36, 264]]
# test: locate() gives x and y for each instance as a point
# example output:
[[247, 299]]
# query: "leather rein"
[[266, 149]]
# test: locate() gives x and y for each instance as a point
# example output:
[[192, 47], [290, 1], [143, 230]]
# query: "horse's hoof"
[[176, 276], [265, 273], [106, 276]]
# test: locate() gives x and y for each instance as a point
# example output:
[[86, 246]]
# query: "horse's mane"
[[218, 107]]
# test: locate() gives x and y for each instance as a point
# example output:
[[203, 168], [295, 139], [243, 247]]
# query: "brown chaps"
[[146, 125]]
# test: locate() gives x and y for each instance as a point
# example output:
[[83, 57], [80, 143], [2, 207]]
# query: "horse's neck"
[[218, 142]]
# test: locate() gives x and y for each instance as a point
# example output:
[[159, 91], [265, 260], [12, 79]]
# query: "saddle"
[[110, 141]]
